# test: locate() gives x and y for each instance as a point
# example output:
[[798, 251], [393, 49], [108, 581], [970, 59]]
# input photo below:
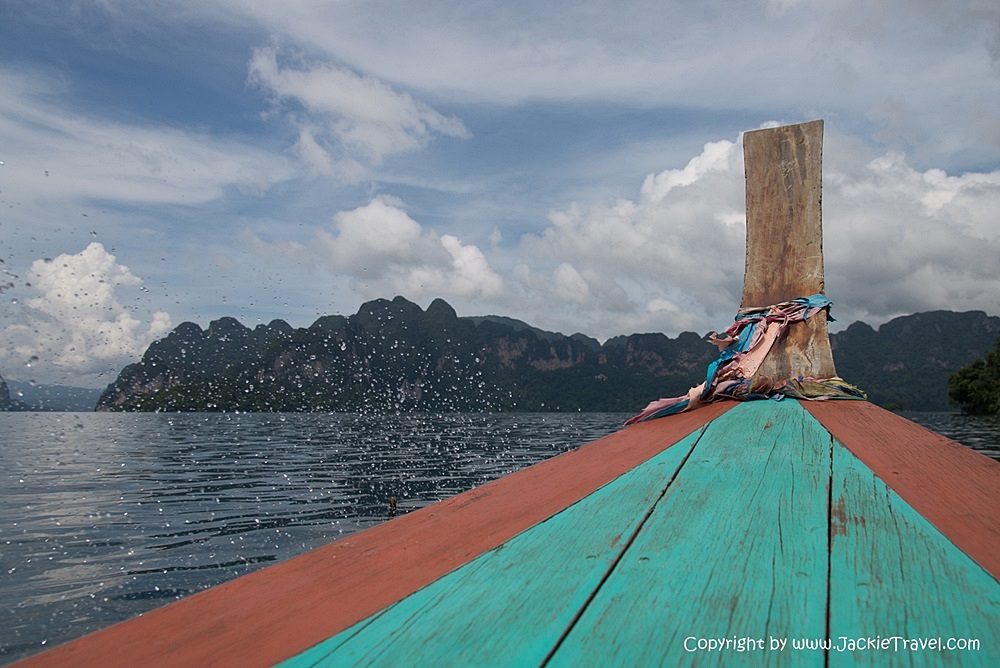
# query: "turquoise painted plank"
[[737, 548], [511, 605], [897, 576]]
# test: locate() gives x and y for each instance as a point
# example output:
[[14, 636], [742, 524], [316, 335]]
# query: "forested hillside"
[[395, 356]]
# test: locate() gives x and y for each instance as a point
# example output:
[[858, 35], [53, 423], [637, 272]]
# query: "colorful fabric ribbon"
[[742, 350]]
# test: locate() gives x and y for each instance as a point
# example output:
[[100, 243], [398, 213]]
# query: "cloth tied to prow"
[[742, 349]]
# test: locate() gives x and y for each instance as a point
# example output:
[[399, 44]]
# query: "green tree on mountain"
[[976, 387]]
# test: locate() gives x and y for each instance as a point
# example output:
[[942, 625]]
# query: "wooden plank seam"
[[625, 549], [706, 566], [952, 486], [831, 444]]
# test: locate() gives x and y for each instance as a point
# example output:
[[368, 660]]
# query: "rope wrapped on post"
[[742, 349]]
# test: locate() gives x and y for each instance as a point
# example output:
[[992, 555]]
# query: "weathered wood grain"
[[736, 547], [784, 257], [954, 487], [894, 575], [510, 606], [277, 612]]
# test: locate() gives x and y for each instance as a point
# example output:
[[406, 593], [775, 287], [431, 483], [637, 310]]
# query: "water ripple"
[[105, 516]]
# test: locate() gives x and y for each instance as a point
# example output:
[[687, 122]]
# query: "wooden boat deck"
[[770, 521]]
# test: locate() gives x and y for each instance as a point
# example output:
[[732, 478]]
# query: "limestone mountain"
[[392, 355], [395, 356], [906, 363]]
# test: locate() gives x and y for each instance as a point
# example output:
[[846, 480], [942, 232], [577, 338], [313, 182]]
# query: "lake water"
[[107, 515], [980, 433], [104, 515]]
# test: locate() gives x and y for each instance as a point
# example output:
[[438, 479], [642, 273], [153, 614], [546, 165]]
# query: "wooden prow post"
[[784, 182]]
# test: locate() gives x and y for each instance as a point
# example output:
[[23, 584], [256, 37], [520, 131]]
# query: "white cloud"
[[382, 250], [466, 274], [377, 237], [317, 160], [346, 119], [76, 326], [913, 67], [716, 157], [680, 241], [900, 240], [570, 285], [52, 153]]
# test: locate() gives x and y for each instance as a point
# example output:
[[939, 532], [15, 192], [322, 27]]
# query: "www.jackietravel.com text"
[[838, 644]]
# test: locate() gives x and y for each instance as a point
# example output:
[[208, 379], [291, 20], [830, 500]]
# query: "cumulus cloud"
[[679, 242], [378, 238], [76, 326], [900, 240], [569, 285], [382, 250], [346, 119]]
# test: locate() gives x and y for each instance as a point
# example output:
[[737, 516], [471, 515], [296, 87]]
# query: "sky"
[[576, 165]]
